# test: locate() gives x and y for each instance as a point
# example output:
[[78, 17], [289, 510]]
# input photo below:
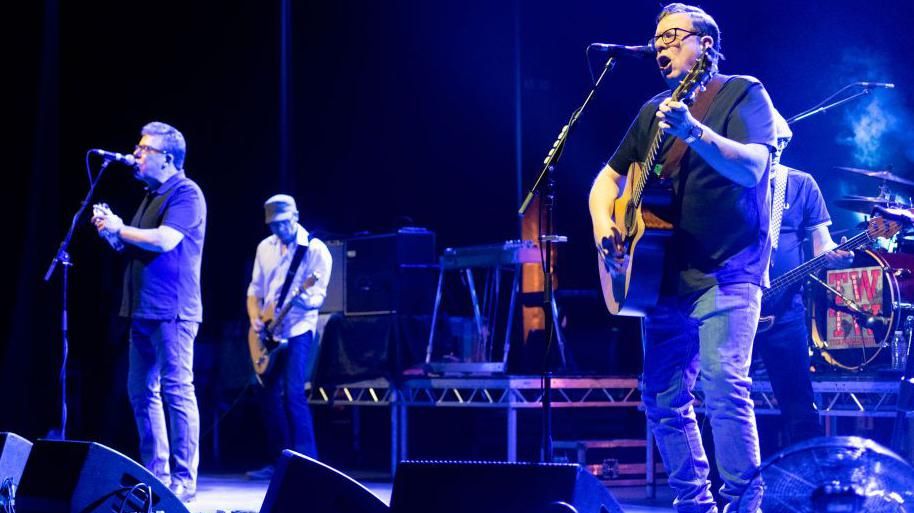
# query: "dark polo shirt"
[[166, 286]]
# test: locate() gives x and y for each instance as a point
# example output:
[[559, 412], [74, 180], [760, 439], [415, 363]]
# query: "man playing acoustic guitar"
[[716, 261], [283, 263]]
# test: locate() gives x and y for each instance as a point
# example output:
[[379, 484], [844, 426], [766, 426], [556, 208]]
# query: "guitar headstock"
[[695, 80], [882, 227]]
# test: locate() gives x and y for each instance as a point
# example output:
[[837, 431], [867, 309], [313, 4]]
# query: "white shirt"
[[271, 264]]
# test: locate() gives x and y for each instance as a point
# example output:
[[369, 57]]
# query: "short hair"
[[781, 128], [703, 23], [172, 139]]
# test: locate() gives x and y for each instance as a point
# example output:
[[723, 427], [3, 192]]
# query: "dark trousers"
[[288, 418], [784, 349]]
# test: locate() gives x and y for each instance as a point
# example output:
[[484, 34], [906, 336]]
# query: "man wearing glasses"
[[164, 245], [715, 265]]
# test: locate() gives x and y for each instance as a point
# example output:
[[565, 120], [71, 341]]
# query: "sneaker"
[[183, 492], [262, 474]]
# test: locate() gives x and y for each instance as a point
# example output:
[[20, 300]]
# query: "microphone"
[[871, 85], [876, 321], [641, 52], [127, 159]]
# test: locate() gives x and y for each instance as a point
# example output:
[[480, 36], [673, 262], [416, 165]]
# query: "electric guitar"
[[875, 227], [262, 344], [637, 286]]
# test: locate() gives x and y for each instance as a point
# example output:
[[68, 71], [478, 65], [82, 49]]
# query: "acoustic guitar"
[[637, 287]]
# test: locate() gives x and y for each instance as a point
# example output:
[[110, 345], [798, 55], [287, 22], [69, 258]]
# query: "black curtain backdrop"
[[401, 112]]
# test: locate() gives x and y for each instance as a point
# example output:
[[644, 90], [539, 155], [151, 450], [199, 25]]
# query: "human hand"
[[675, 118], [611, 249], [256, 324], [839, 258], [106, 220]]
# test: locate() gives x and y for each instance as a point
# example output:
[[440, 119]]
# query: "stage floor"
[[233, 493]]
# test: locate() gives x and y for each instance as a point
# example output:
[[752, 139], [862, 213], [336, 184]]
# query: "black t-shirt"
[[804, 210], [721, 227]]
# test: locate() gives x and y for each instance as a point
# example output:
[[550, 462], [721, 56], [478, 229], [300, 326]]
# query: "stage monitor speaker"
[[14, 452], [391, 273], [84, 477], [336, 287], [498, 487], [303, 484]]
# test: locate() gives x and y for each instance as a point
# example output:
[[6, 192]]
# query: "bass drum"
[[882, 285]]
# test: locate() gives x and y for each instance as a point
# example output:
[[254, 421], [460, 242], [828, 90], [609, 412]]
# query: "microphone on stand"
[[873, 85], [127, 159], [640, 52]]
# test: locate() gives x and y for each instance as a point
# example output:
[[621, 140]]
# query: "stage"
[[233, 493]]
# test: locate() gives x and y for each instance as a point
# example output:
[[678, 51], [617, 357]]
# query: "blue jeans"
[[288, 417], [710, 332], [162, 364], [784, 350]]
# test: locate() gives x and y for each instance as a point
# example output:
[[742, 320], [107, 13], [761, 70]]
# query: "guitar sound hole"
[[629, 219]]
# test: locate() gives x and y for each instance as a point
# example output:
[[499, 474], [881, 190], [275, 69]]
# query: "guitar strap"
[[300, 251], [777, 205], [699, 110]]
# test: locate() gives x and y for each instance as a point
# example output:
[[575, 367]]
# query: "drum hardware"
[[877, 323], [866, 204], [880, 285], [884, 175]]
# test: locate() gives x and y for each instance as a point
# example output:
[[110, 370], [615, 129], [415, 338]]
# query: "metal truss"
[[840, 398], [837, 398], [520, 392], [377, 392]]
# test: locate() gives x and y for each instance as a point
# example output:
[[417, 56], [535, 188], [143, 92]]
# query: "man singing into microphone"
[[164, 245], [716, 263]]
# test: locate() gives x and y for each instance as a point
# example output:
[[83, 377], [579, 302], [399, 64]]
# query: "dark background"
[[402, 112]]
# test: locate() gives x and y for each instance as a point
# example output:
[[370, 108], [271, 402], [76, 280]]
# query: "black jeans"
[[784, 349], [288, 418]]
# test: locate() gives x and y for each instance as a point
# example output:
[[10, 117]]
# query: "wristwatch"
[[694, 133]]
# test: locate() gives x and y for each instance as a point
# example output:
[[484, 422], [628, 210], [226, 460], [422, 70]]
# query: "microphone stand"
[[546, 181], [870, 321], [62, 257], [818, 110]]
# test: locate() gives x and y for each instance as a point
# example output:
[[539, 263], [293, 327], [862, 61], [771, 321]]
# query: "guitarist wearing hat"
[[716, 263], [290, 275]]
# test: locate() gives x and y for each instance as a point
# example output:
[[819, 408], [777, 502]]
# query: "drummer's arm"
[[823, 243]]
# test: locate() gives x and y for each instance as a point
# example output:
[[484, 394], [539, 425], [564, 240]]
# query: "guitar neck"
[[641, 183], [814, 265]]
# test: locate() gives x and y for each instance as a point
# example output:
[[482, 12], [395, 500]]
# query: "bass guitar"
[[262, 344], [636, 286], [876, 227]]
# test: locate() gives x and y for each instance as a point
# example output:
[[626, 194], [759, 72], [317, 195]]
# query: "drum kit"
[[862, 317]]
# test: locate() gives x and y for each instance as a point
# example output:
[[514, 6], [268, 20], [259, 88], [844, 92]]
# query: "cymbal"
[[866, 204], [882, 175]]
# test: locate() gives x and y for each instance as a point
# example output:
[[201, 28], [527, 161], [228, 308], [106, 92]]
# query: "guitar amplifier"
[[336, 287], [391, 273]]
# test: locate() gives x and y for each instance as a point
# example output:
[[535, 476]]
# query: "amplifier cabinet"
[[391, 273]]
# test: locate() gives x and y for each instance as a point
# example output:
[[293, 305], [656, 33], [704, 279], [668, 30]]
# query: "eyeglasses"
[[670, 36], [140, 149]]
